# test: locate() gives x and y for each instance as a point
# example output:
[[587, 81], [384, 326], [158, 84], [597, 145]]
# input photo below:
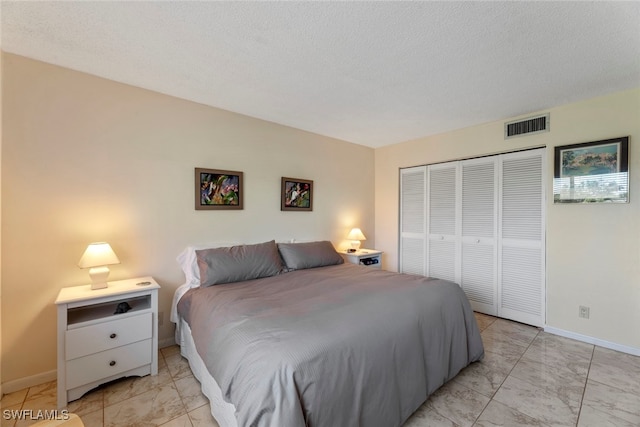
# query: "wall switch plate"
[[583, 312]]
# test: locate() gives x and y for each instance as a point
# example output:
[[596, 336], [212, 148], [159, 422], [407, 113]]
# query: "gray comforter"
[[334, 346]]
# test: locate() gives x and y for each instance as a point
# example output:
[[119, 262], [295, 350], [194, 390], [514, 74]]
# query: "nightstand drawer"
[[104, 336], [90, 368]]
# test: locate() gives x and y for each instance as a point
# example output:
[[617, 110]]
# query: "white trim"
[[26, 382], [591, 340]]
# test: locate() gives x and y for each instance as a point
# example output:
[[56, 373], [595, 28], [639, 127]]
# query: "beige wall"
[[86, 159], [593, 252]]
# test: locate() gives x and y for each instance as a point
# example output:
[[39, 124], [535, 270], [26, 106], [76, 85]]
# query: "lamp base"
[[99, 277], [355, 245]]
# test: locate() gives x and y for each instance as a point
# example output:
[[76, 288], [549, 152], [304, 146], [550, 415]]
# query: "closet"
[[479, 223]]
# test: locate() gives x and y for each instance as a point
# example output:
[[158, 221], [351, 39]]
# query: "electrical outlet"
[[583, 312], [160, 318]]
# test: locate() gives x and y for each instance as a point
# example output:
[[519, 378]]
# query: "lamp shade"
[[356, 234], [98, 254]]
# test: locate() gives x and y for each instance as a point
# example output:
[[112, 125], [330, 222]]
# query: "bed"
[[289, 335]]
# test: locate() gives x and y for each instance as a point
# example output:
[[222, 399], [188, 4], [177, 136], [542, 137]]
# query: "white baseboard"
[[45, 377], [595, 341], [33, 380]]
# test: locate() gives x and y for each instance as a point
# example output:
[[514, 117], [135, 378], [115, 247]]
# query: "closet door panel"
[[479, 187], [478, 225], [522, 197], [412, 256], [442, 200], [521, 262], [521, 290], [442, 258], [413, 236], [479, 276]]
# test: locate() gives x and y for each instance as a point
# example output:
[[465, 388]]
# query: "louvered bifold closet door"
[[413, 236], [521, 245], [479, 233], [442, 208]]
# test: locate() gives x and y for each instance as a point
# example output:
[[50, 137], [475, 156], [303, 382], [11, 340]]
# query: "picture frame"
[[217, 189], [296, 195], [592, 172]]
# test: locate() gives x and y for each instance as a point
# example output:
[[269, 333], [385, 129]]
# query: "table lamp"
[[97, 257], [355, 235]]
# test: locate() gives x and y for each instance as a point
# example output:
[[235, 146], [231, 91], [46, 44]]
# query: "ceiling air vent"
[[528, 126]]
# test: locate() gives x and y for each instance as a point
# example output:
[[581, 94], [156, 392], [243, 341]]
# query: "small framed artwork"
[[296, 194], [592, 172], [218, 189]]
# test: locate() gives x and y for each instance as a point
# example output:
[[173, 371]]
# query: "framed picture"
[[296, 195], [218, 189], [592, 172]]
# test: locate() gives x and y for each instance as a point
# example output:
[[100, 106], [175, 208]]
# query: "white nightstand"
[[95, 345], [367, 257]]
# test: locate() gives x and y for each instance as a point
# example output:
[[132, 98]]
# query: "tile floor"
[[527, 378]]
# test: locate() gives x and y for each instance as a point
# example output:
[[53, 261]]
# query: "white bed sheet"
[[222, 411]]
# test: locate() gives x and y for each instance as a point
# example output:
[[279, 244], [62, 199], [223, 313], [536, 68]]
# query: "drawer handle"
[[112, 336], [112, 363]]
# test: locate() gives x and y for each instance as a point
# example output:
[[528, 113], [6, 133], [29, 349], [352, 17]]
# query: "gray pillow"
[[298, 256], [238, 263]]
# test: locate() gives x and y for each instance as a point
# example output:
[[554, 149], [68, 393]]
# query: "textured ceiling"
[[373, 73]]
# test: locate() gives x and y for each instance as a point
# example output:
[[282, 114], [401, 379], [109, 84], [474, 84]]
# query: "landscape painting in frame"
[[592, 172], [218, 189], [296, 194]]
